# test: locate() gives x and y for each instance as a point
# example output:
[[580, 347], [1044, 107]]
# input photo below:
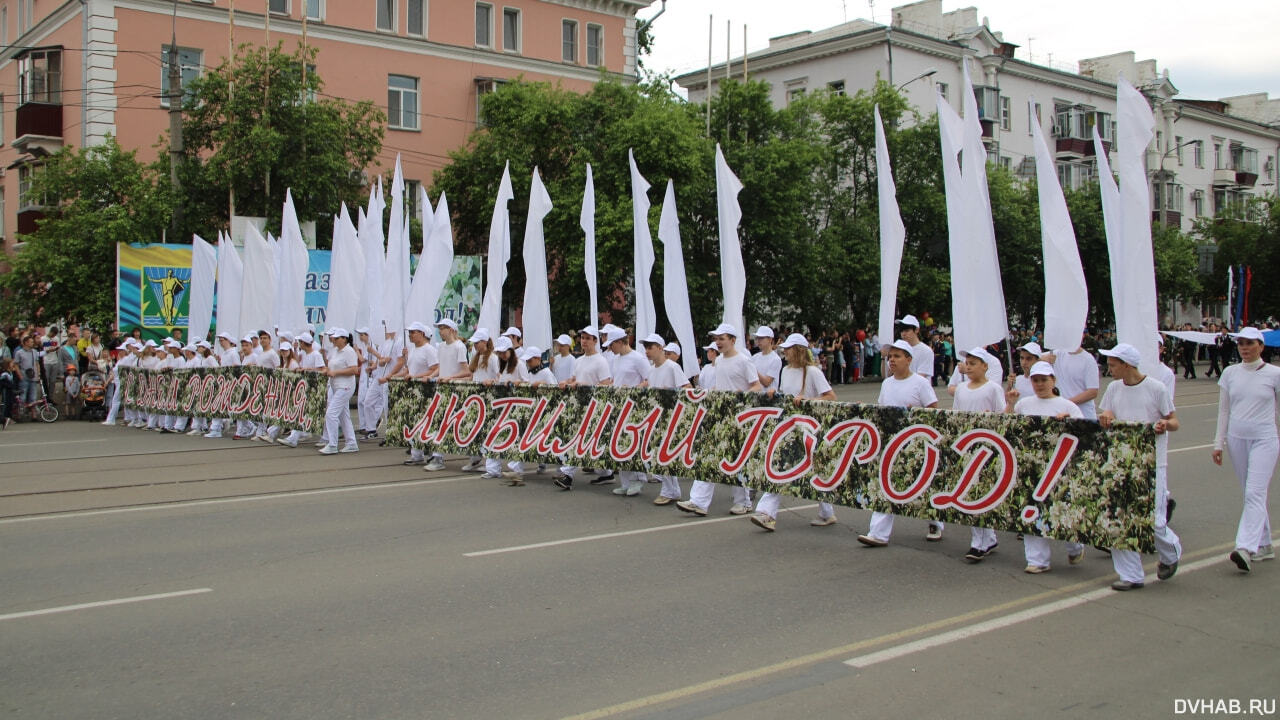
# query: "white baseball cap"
[[712, 347], [251, 339], [980, 353], [608, 327], [1042, 368], [513, 331], [590, 330], [338, 332], [793, 340], [564, 339], [1126, 353], [362, 331], [306, 338], [725, 329], [1249, 333], [150, 343], [189, 348], [901, 345], [764, 331], [480, 334], [501, 344], [447, 322], [1033, 348], [286, 345], [614, 335], [227, 336], [415, 325], [653, 339], [204, 344], [909, 320], [672, 347]]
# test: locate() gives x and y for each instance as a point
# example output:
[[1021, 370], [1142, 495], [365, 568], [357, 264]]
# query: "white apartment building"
[[1207, 157]]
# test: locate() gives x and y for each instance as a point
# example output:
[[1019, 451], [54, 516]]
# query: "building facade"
[[73, 72], [1207, 158]]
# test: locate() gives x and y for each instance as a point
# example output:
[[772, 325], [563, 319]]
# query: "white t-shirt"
[[912, 392], [805, 382], [735, 373], [229, 357], [486, 371], [1146, 402], [610, 357], [707, 378], [542, 375], [591, 370], [452, 357], [630, 369], [1165, 375], [922, 359], [210, 361], [1025, 389], [562, 367], [988, 398], [1046, 407], [149, 362], [392, 349], [268, 358], [1076, 373], [341, 360], [1249, 397], [421, 358], [312, 360], [667, 376], [767, 366]]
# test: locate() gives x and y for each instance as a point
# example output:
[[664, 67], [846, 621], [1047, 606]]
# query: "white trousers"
[[115, 404], [882, 525], [1128, 563], [369, 404], [768, 504], [1254, 462], [670, 487], [702, 492], [983, 538], [1036, 549], [337, 416]]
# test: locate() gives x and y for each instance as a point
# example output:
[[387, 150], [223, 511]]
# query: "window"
[[402, 102], [1244, 159], [1159, 141], [1172, 197], [836, 87], [1177, 145], [411, 198], [309, 92], [1106, 128], [1269, 166], [484, 25], [1078, 121], [40, 77], [386, 15], [943, 90], [1006, 162], [188, 63], [1006, 115], [1197, 204], [2, 134], [988, 102], [24, 16], [27, 173], [1199, 153], [417, 18], [595, 45], [279, 7], [484, 86], [569, 41], [4, 25], [510, 29], [1073, 176], [794, 93], [1033, 118], [314, 9], [1217, 155]]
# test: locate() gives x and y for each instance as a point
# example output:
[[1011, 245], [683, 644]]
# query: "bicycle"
[[41, 409]]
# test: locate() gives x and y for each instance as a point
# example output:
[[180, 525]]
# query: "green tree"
[[1250, 238], [254, 125], [94, 199]]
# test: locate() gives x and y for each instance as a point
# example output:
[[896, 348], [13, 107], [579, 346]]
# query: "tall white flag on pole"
[[537, 297], [257, 295], [675, 285], [204, 270], [1066, 297], [646, 315], [893, 236], [499, 254], [292, 278], [1110, 217], [1137, 316], [230, 284], [587, 220], [395, 288], [346, 273], [434, 266], [416, 307], [371, 241], [733, 274]]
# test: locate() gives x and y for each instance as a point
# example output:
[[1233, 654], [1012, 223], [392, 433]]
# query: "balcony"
[[1173, 218], [1246, 179], [1224, 177], [39, 127], [27, 220]]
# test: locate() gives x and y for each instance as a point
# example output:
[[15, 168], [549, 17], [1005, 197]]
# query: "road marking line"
[[104, 603], [1193, 447], [844, 650], [946, 638], [55, 442], [605, 536], [222, 501]]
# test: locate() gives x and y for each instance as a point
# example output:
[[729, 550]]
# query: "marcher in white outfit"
[[1135, 397], [979, 394], [734, 373], [707, 376], [589, 370], [1247, 428], [630, 369], [562, 358], [1044, 402], [535, 374], [1077, 374], [227, 357], [369, 400], [312, 361], [128, 358], [903, 388], [342, 370], [482, 367], [420, 362], [922, 365], [451, 356], [665, 375], [804, 381], [508, 373]]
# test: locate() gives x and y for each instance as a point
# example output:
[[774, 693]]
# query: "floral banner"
[[1064, 479], [288, 398]]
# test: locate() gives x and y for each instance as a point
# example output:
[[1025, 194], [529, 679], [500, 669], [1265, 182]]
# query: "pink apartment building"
[[73, 72]]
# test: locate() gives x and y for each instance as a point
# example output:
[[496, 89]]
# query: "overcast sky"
[[1211, 50]]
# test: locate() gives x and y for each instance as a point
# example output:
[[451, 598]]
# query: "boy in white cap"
[[562, 359], [309, 360], [589, 370], [672, 351], [1135, 397], [904, 388], [530, 358], [420, 364], [921, 353], [707, 376], [630, 369], [228, 356], [734, 373], [481, 368], [768, 363], [342, 369], [1077, 373], [249, 352], [665, 375], [979, 394]]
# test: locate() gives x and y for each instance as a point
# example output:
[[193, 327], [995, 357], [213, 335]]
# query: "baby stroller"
[[93, 394]]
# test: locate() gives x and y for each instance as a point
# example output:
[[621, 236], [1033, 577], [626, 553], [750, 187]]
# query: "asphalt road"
[[266, 582]]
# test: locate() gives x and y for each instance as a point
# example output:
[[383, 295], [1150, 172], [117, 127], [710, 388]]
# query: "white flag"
[[230, 283], [370, 234], [499, 254], [395, 288], [434, 266], [257, 295], [892, 236], [646, 315], [1066, 297], [292, 278], [204, 269], [675, 285], [417, 308], [537, 298], [346, 274], [587, 220], [733, 274], [1137, 316]]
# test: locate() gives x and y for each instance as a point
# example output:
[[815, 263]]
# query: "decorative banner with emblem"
[[1064, 479], [288, 398]]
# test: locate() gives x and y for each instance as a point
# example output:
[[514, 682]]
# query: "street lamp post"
[[927, 73]]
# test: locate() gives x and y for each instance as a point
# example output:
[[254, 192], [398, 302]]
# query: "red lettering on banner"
[[480, 406], [449, 423], [195, 384], [540, 436], [756, 418], [504, 424], [421, 429], [242, 390], [226, 386], [255, 406], [695, 395], [560, 448], [1067, 444], [596, 448], [857, 430], [973, 468], [297, 402], [270, 404], [148, 391], [171, 400], [683, 450], [808, 426], [927, 470], [639, 440]]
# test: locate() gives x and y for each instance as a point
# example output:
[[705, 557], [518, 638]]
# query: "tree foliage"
[[94, 199], [1251, 238]]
